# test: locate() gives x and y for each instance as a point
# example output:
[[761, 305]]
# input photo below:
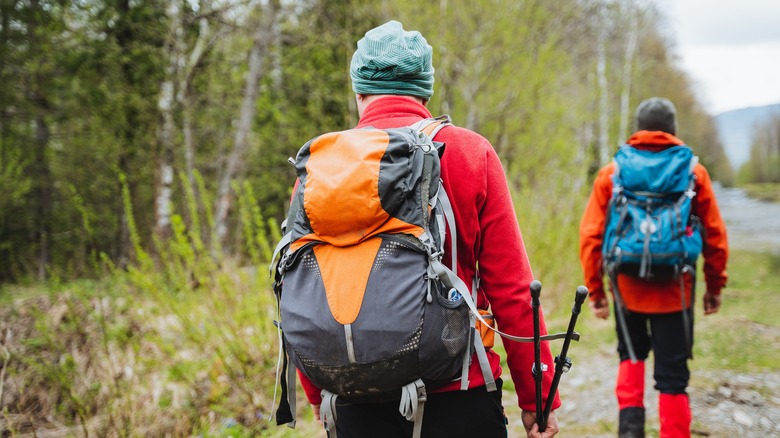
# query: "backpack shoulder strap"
[[432, 126], [694, 162]]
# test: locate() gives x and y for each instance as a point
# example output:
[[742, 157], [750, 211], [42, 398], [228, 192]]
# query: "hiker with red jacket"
[[652, 309], [392, 77]]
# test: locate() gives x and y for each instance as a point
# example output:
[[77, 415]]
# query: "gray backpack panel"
[[397, 336]]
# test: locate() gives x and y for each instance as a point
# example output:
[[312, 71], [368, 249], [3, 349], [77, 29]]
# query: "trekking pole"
[[536, 289], [562, 362]]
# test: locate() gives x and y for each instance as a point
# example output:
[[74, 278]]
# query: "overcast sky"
[[730, 48]]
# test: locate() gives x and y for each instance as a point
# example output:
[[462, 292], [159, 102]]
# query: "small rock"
[[725, 391], [750, 397], [57, 314], [743, 418], [724, 406]]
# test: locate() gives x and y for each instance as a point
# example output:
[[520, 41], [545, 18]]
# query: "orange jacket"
[[640, 295]]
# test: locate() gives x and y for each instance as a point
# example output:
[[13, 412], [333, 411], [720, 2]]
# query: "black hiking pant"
[[452, 414], [664, 333]]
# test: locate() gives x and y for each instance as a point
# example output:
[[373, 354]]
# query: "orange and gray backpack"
[[367, 310]]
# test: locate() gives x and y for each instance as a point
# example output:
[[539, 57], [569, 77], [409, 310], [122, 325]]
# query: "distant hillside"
[[736, 130]]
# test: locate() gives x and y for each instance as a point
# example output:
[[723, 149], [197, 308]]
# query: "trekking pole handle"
[[536, 289], [579, 298]]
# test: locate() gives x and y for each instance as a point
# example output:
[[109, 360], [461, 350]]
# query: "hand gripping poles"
[[562, 362]]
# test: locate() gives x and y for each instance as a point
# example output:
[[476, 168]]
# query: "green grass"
[[149, 352], [765, 191], [744, 335]]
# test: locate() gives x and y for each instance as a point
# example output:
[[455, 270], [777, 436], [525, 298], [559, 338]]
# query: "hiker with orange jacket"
[[655, 317], [392, 77]]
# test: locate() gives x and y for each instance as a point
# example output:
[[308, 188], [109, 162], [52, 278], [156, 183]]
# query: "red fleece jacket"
[[639, 295], [488, 235]]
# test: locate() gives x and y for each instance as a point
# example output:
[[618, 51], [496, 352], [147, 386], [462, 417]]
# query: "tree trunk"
[[198, 51], [444, 97], [601, 73], [628, 63], [186, 104], [41, 171], [263, 39], [126, 156], [165, 172], [43, 193]]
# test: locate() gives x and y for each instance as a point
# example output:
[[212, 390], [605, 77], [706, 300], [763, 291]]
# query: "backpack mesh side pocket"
[[445, 336]]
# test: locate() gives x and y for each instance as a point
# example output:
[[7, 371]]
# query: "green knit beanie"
[[390, 60]]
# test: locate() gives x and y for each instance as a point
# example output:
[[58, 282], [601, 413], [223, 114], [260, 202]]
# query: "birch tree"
[[764, 163], [165, 105], [628, 62], [191, 38], [601, 74], [262, 42]]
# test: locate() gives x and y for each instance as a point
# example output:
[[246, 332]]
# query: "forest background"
[[143, 175]]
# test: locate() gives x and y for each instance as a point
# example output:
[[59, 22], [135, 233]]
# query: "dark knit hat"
[[656, 114], [391, 60]]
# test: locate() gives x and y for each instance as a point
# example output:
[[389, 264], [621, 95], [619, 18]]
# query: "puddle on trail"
[[751, 224]]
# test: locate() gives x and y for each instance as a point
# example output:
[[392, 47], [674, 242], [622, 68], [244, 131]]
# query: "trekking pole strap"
[[453, 281]]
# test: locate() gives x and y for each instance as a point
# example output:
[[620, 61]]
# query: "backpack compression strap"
[[479, 347], [328, 412], [447, 219], [412, 406], [476, 341]]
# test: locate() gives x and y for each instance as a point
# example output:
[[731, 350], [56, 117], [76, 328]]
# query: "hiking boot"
[[631, 423]]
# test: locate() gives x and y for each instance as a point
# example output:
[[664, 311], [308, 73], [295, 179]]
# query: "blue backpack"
[[650, 230]]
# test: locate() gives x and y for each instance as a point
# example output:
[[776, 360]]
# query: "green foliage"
[[519, 72], [764, 191], [764, 163], [15, 186], [86, 81], [177, 344]]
